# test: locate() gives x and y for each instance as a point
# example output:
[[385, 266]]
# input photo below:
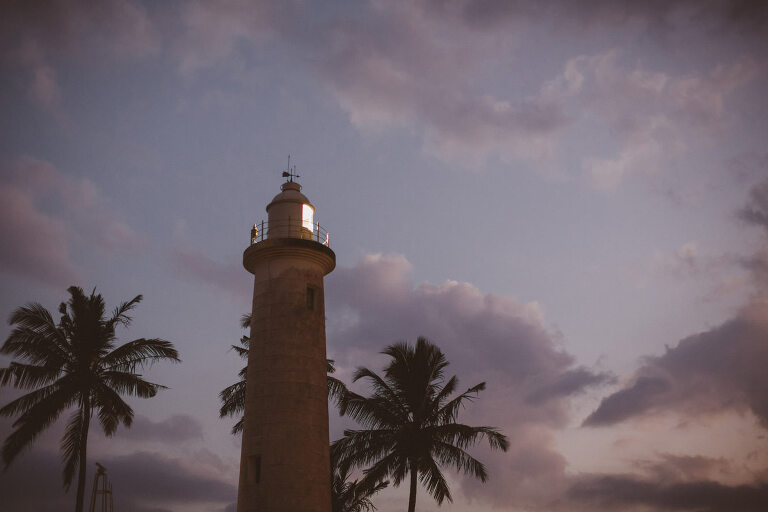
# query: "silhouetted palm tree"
[[74, 363], [352, 496], [233, 397], [411, 423]]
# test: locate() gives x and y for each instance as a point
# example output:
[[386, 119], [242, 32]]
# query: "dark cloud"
[[630, 401], [685, 468], [717, 370], [121, 26], [152, 478], [757, 266], [35, 33], [756, 210], [655, 15], [177, 428], [142, 482], [622, 492], [570, 383], [33, 482]]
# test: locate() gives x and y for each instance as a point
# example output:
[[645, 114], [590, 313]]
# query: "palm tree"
[[352, 496], [411, 423], [74, 363], [233, 397]]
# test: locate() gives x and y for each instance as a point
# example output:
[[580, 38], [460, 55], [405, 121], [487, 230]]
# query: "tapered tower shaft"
[[285, 464]]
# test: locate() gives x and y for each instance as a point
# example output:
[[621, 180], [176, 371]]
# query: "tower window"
[[254, 468], [310, 298]]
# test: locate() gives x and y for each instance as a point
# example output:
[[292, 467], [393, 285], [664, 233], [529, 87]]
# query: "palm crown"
[[411, 423], [74, 363]]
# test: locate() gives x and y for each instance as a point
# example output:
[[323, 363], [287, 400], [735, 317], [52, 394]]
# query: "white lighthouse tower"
[[285, 465]]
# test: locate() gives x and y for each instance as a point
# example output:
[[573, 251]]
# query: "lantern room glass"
[[307, 216]]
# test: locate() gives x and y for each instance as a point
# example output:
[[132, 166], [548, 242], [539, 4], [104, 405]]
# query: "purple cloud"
[[530, 377], [197, 266]]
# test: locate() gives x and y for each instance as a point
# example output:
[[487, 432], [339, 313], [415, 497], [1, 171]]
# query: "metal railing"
[[290, 229]]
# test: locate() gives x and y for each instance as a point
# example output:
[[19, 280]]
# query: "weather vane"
[[290, 172]]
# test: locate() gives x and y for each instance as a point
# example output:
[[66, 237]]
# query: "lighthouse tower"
[[284, 464]]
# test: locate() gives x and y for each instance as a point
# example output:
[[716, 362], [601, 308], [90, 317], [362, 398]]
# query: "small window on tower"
[[254, 468], [310, 298]]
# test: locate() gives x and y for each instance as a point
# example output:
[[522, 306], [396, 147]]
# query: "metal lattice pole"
[[101, 488]]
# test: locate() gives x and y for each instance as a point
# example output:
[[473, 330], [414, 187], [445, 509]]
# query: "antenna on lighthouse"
[[290, 173]]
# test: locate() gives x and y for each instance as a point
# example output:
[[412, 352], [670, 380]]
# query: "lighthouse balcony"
[[290, 229]]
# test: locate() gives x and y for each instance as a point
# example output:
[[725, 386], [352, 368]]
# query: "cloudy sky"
[[569, 198]]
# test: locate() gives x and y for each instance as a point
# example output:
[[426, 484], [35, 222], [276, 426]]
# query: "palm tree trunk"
[[86, 412], [412, 498]]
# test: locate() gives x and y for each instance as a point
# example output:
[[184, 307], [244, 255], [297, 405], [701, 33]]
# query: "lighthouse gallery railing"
[[290, 229]]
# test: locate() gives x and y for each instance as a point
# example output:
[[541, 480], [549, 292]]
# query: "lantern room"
[[290, 215]]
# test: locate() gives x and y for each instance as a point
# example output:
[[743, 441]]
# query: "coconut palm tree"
[[233, 397], [410, 422], [354, 496], [74, 363]]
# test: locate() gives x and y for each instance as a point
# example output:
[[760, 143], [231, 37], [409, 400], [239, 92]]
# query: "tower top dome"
[[291, 193]]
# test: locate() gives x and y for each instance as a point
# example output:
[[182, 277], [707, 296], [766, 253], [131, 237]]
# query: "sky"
[[569, 198]]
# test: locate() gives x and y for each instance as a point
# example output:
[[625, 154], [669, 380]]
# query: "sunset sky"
[[569, 198]]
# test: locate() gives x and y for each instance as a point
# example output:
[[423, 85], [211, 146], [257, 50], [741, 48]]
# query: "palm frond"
[[451, 455], [336, 390], [433, 479], [26, 376], [71, 444], [362, 447], [232, 399], [111, 409], [374, 412], [464, 436], [449, 411], [120, 313], [34, 420], [140, 352], [36, 337], [395, 404], [130, 384], [392, 465], [26, 402]]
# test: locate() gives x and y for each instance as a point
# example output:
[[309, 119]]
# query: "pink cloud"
[[34, 243], [37, 198]]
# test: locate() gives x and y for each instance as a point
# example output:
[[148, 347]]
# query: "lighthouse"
[[284, 462]]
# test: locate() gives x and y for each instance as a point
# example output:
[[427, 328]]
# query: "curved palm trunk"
[[412, 498], [86, 412]]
